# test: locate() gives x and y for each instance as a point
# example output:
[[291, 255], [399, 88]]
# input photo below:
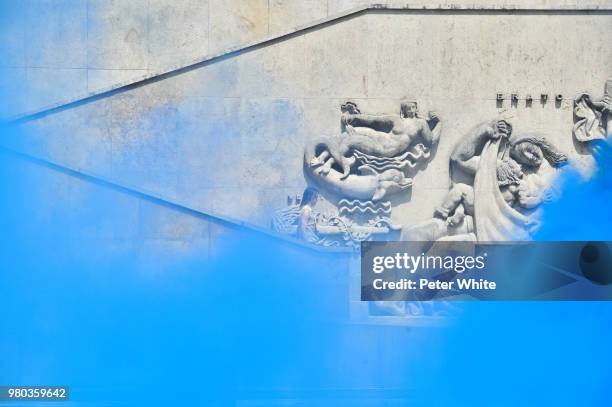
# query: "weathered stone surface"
[[228, 136], [177, 32], [55, 34], [118, 41], [235, 22], [14, 100], [288, 14], [49, 85], [117, 34]]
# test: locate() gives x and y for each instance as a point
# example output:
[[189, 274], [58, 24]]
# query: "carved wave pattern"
[[285, 220], [348, 207], [380, 164]]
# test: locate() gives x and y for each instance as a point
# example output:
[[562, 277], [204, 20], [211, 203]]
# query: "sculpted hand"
[[432, 119], [502, 129]]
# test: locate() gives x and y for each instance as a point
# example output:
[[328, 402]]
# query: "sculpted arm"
[[378, 122], [431, 129], [465, 156]]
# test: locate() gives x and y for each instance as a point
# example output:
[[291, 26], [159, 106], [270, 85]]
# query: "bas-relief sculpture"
[[379, 143], [372, 159], [301, 220], [499, 178], [497, 185], [592, 118]]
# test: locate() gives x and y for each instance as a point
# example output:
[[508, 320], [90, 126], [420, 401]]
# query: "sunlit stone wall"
[[227, 137]]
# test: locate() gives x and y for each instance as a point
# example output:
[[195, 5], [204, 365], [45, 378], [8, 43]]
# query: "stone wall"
[[227, 137], [62, 49]]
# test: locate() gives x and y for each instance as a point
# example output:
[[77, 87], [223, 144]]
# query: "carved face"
[[349, 107], [527, 154], [408, 109], [309, 197], [508, 173]]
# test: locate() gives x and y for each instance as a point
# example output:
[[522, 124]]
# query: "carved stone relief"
[[301, 219], [499, 178], [373, 156], [372, 159], [496, 187], [592, 118]]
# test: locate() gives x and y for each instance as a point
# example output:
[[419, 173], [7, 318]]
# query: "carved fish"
[[368, 186]]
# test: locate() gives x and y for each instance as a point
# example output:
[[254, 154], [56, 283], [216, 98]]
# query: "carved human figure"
[[406, 125], [529, 151], [466, 155], [377, 135], [307, 221], [459, 202], [592, 118], [454, 219], [524, 150]]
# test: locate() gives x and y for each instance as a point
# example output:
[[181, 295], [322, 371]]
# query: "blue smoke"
[[582, 213]]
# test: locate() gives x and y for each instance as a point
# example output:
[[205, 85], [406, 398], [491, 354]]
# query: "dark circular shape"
[[589, 253], [596, 263]]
